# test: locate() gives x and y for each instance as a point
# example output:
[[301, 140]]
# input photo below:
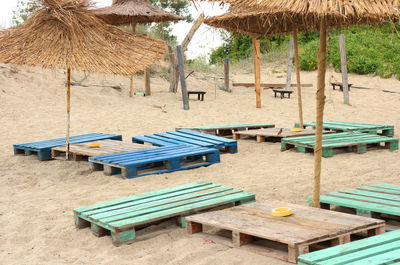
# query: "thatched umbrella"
[[64, 34], [274, 17], [132, 12]]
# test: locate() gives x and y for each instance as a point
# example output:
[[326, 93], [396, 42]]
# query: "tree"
[[24, 10]]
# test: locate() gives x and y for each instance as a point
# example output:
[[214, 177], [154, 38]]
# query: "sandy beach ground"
[[37, 198]]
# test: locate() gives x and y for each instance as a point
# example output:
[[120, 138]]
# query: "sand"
[[37, 198]]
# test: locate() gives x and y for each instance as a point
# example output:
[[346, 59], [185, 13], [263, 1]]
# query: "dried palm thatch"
[[66, 34], [125, 12], [276, 17]]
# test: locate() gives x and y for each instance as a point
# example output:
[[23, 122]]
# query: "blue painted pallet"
[[122, 217], [188, 137], [376, 250], [43, 148], [155, 161]]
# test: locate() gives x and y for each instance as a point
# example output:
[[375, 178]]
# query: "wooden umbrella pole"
[[296, 58], [256, 54], [133, 25], [320, 113], [68, 108]]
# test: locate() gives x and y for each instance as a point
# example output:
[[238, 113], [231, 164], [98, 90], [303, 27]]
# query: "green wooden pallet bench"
[[376, 250], [345, 126], [227, 130], [377, 200], [356, 141], [122, 217]]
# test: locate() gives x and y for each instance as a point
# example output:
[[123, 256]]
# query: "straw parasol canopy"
[[125, 12], [274, 17], [65, 34]]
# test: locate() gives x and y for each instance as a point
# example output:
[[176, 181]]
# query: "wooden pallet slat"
[[123, 216], [155, 161], [188, 137], [43, 148], [355, 140], [306, 229], [226, 130], [376, 250], [343, 126], [273, 133]]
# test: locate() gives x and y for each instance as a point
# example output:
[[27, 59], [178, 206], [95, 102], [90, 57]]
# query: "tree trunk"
[[320, 113], [147, 90], [185, 96], [172, 75], [296, 58], [290, 64], [345, 81]]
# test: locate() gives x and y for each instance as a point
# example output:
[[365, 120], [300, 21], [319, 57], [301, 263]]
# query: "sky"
[[205, 39]]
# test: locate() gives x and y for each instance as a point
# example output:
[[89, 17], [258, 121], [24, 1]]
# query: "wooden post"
[[186, 42], [256, 53], [290, 64], [172, 75], [131, 86], [296, 59], [345, 81], [147, 90], [226, 72], [182, 76], [320, 113], [68, 111]]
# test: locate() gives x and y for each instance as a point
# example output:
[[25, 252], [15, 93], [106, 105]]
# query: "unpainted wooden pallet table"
[[123, 217], [82, 151], [155, 160], [380, 200], [377, 250], [353, 141], [188, 137], [43, 148], [345, 126], [227, 130], [252, 227], [272, 133]]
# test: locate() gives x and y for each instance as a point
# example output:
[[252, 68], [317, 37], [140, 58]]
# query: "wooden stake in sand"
[[256, 54], [296, 58], [320, 113], [68, 110], [345, 81]]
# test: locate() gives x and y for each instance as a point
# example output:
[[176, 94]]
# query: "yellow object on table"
[[295, 130], [94, 145], [283, 211]]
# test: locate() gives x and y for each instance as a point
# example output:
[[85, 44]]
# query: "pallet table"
[[340, 85], [377, 200], [272, 133], [344, 126], [282, 92], [123, 217], [200, 94], [253, 227], [376, 250], [355, 141], [188, 137], [155, 160], [43, 148], [83, 151], [227, 130]]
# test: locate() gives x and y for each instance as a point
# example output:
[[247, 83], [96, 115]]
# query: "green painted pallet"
[[355, 140], [376, 250], [344, 126], [123, 216], [375, 199]]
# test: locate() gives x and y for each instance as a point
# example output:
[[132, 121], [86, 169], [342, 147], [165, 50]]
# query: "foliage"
[[24, 10], [369, 50]]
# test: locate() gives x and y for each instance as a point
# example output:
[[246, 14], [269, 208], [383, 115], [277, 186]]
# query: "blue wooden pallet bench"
[[155, 160], [188, 137], [377, 250], [123, 217], [43, 148], [378, 200], [345, 126], [352, 140]]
